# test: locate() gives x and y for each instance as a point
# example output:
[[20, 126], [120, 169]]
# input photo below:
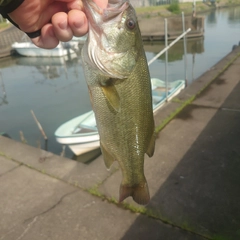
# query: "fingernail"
[[51, 33], [63, 25], [77, 24]]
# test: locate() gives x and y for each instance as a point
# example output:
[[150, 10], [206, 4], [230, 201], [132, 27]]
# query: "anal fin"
[[107, 157]]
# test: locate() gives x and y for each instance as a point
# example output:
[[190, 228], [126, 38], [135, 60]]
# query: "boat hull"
[[28, 49], [164, 96], [79, 149]]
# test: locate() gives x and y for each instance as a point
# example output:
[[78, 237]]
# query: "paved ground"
[[193, 177]]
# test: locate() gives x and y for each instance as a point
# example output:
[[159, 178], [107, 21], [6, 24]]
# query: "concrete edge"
[[85, 177]]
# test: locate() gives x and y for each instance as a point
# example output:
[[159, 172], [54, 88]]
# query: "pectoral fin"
[[107, 157], [151, 146], [112, 96]]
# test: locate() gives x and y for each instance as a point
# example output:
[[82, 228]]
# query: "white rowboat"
[[28, 49]]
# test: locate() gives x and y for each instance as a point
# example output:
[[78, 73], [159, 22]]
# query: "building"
[[144, 3]]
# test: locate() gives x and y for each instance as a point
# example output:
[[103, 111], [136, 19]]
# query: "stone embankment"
[[153, 29], [7, 38]]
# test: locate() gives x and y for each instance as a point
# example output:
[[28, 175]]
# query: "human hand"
[[59, 20]]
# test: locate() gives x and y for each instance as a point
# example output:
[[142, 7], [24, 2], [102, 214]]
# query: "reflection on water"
[[234, 15], [3, 94], [221, 33], [176, 52], [211, 18], [55, 88], [50, 67]]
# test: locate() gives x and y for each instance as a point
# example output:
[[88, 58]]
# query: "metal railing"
[[167, 47], [170, 45]]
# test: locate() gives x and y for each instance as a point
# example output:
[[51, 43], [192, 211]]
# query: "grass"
[[164, 10], [4, 25], [176, 8]]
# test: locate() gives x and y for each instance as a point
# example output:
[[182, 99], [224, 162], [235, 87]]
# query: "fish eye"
[[130, 24]]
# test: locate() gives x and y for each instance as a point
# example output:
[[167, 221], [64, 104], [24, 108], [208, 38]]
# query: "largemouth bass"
[[119, 85]]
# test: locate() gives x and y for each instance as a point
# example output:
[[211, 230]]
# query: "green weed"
[[174, 7]]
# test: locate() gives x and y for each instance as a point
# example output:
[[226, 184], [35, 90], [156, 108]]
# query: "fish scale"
[[122, 106]]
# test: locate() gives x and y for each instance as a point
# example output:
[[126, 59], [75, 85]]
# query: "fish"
[[118, 79]]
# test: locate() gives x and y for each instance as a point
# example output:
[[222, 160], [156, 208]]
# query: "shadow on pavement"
[[202, 194]]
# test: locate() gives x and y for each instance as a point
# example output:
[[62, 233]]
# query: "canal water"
[[56, 91], [222, 31]]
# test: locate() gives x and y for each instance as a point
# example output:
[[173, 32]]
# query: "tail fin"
[[139, 193]]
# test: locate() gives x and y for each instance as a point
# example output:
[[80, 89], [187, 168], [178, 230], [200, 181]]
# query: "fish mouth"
[[93, 11], [97, 15], [98, 42]]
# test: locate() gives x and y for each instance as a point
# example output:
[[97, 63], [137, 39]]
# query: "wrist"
[[5, 9]]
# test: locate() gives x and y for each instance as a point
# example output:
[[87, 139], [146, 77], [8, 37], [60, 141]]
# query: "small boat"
[[75, 43], [79, 40], [81, 133], [28, 49], [162, 92]]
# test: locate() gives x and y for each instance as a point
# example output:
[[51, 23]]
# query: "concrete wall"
[[153, 28], [139, 3]]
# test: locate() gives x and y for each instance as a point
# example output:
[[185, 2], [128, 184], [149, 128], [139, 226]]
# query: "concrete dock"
[[193, 177]]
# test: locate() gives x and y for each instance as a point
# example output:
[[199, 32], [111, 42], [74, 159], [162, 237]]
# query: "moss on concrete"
[[173, 114], [95, 192]]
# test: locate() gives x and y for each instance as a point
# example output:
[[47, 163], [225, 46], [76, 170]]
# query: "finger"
[[76, 4], [47, 39], [101, 3], [35, 16], [78, 22], [61, 27]]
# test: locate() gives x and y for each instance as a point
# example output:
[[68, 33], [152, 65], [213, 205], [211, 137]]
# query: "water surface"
[[222, 31], [56, 91]]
